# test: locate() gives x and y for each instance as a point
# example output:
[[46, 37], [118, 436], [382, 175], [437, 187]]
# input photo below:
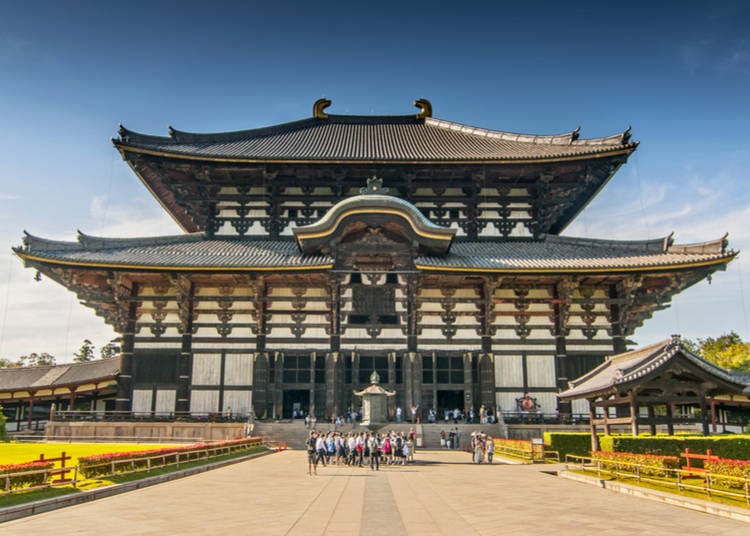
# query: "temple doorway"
[[296, 403], [449, 400]]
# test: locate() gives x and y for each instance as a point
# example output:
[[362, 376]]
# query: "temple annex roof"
[[620, 372], [45, 377], [197, 252], [358, 138]]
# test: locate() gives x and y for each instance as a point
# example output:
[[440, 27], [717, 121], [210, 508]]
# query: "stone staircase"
[[294, 433], [431, 433]]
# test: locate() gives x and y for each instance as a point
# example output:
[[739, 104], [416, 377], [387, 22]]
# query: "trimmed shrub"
[[650, 464], [574, 443], [126, 462], [734, 447], [22, 480], [3, 429], [739, 469]]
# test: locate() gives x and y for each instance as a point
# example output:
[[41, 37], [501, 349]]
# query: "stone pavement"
[[442, 494]]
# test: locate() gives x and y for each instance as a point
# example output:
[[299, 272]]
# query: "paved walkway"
[[441, 494]]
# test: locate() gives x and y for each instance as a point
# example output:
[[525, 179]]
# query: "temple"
[[318, 251]]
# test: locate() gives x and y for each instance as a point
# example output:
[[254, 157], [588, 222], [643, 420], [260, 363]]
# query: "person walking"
[[490, 449], [374, 445], [312, 462]]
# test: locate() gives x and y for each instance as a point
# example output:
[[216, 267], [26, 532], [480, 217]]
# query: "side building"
[[318, 251]]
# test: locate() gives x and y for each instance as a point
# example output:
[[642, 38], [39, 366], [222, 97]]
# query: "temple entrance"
[[449, 400], [296, 403]]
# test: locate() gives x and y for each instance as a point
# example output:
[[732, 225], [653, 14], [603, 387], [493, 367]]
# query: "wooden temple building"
[[645, 386], [318, 251]]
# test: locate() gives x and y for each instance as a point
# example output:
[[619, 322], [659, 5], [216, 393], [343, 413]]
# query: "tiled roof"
[[554, 252], [195, 251], [181, 251], [24, 378], [373, 138], [630, 367]]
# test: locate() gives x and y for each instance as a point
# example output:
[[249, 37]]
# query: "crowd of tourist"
[[482, 448], [360, 449]]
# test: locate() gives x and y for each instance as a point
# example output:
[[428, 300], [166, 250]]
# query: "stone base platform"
[[172, 431]]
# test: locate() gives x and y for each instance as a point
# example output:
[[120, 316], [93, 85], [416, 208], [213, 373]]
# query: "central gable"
[[376, 219]]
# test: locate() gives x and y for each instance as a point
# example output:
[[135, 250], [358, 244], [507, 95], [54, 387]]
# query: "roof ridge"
[[565, 138], [91, 241], [659, 245]]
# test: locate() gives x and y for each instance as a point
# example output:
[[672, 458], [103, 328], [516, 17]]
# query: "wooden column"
[[633, 415], [713, 415], [186, 290], [333, 380], [562, 294], [31, 409], [123, 401], [468, 384], [651, 420], [704, 415], [261, 382], [592, 417], [276, 393], [670, 418]]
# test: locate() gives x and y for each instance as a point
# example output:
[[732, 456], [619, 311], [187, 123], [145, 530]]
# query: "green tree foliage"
[[3, 430], [109, 350], [728, 351], [36, 360], [7, 363], [85, 353]]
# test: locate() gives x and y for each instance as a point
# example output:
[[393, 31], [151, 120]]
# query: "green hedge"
[[736, 447], [575, 443]]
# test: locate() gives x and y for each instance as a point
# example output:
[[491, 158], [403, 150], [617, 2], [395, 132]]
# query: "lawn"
[[26, 452]]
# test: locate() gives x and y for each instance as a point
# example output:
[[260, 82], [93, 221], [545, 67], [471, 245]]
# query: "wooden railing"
[[124, 466], [681, 479]]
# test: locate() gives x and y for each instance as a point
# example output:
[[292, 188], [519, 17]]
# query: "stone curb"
[[46, 505], [698, 505]]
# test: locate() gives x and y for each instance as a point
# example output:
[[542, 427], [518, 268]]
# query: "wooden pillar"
[[333, 380], [31, 410], [651, 420], [713, 414], [605, 417], [72, 400], [704, 415], [276, 392], [670, 418], [468, 384], [562, 293], [594, 437], [633, 415], [185, 361], [261, 382], [123, 401]]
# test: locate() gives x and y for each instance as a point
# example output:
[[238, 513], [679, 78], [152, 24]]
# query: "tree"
[[36, 360], [85, 353], [109, 350], [3, 430], [7, 363], [727, 351]]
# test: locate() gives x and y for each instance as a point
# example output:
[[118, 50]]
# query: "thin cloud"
[[4, 196]]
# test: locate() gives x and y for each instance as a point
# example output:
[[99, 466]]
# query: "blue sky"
[[678, 72]]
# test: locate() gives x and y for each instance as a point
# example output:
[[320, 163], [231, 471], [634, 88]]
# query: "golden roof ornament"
[[425, 108], [319, 106]]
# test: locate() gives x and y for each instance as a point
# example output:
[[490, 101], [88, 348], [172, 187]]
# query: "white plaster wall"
[[238, 369], [204, 401], [142, 401], [508, 371], [206, 369]]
